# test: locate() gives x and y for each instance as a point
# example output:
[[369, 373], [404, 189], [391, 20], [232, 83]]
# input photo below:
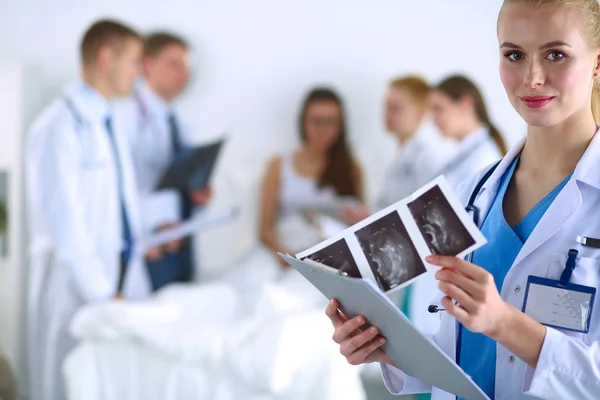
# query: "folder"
[[192, 168], [412, 352]]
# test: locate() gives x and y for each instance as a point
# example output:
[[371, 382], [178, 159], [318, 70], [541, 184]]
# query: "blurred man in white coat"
[[84, 224], [157, 134]]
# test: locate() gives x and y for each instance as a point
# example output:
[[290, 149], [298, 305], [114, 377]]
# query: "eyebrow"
[[556, 43]]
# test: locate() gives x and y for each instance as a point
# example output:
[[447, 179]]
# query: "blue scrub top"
[[477, 352]]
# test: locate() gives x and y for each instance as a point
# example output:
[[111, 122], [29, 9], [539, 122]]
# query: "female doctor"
[[538, 209], [460, 114]]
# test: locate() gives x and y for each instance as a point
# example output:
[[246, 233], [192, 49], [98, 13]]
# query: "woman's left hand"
[[480, 307]]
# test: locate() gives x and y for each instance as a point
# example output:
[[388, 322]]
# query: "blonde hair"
[[415, 85], [589, 10]]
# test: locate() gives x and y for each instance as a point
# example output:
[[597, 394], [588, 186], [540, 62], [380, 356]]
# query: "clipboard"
[[415, 354], [198, 223], [192, 168]]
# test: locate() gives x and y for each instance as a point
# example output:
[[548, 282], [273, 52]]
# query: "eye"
[[514, 56], [555, 56]]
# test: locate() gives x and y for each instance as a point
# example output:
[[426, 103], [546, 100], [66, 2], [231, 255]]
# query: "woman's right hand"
[[359, 347]]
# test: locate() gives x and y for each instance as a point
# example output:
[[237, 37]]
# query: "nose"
[[534, 74]]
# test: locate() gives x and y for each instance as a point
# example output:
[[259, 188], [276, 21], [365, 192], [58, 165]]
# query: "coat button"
[[517, 289], [511, 359]]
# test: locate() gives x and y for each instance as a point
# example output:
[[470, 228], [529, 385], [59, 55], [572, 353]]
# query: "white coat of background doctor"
[[76, 185], [559, 101]]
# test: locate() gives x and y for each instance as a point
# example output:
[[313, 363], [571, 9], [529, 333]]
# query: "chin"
[[540, 118]]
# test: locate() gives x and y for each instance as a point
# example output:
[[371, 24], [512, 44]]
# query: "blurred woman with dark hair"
[[320, 171]]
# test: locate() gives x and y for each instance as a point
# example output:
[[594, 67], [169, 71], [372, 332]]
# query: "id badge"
[[553, 304]]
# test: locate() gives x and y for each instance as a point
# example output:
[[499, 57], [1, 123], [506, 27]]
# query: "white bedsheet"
[[260, 334]]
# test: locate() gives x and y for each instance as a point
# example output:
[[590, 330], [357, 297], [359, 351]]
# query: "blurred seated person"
[[322, 170], [421, 152]]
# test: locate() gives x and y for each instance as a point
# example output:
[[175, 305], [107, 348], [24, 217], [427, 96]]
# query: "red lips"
[[536, 101]]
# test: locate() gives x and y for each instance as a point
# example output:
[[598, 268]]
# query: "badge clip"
[[569, 267]]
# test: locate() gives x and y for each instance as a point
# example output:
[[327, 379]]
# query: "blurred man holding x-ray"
[[157, 135]]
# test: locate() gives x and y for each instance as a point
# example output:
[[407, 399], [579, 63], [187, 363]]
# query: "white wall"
[[255, 60]]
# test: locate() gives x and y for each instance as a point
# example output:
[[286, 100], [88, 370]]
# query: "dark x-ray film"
[[338, 256], [193, 167], [390, 251], [441, 228]]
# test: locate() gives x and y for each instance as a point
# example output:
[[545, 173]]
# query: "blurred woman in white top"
[[318, 172], [460, 113]]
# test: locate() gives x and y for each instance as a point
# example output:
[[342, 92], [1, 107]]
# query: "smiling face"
[[547, 65]]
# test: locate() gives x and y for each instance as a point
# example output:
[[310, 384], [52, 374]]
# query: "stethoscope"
[[474, 211]]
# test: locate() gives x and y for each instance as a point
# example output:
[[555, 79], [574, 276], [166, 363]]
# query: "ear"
[[597, 67], [145, 65], [466, 102], [104, 57]]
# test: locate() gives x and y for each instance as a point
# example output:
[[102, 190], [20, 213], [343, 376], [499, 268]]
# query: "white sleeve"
[[568, 368], [56, 170], [397, 382]]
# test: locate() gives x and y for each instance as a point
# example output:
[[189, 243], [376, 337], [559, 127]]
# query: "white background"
[[255, 60]]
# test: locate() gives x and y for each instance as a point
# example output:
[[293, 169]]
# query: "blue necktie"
[[177, 146], [126, 228], [174, 133]]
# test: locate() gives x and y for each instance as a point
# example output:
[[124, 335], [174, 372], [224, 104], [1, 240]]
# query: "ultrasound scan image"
[[390, 252], [338, 256], [440, 226]]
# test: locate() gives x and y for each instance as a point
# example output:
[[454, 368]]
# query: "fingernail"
[[360, 321], [382, 340], [373, 330]]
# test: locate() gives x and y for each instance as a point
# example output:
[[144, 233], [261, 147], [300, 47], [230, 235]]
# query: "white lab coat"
[[75, 223], [414, 164], [475, 152], [144, 116], [569, 363]]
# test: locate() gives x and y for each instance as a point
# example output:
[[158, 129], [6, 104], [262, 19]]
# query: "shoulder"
[[274, 165], [52, 122]]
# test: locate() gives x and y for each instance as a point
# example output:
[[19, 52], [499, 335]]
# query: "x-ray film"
[[390, 246]]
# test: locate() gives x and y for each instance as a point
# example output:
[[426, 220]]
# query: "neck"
[[160, 93], [315, 155], [99, 84], [468, 130], [404, 137], [560, 147]]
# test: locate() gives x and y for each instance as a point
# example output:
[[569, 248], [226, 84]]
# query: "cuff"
[[536, 379], [397, 382]]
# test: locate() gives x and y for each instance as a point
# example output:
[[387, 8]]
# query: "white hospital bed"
[[258, 333]]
